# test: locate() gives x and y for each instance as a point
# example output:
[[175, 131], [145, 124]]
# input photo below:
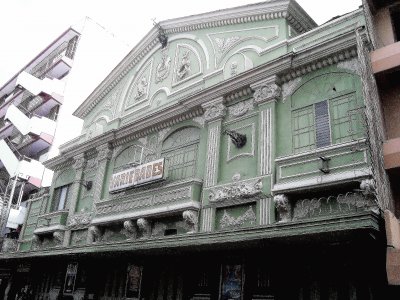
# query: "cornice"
[[154, 123], [363, 222]]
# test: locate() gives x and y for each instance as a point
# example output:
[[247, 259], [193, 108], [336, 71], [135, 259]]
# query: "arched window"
[[326, 111], [180, 150]]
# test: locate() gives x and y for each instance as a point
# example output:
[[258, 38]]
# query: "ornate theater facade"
[[225, 157]]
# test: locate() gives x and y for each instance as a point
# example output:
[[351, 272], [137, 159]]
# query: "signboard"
[[70, 277], [138, 175], [133, 282]]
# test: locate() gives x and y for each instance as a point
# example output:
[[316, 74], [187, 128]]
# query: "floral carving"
[[228, 221], [215, 112], [79, 220], [191, 218], [283, 207], [162, 70], [225, 43], [241, 108], [79, 162], [236, 191], [184, 66], [267, 93], [104, 152]]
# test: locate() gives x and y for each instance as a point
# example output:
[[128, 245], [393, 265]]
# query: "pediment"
[[201, 51]]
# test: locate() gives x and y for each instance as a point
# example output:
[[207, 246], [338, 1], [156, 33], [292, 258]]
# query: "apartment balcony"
[[20, 166], [60, 66], [50, 89], [391, 153], [51, 222], [41, 94], [386, 58], [37, 133]]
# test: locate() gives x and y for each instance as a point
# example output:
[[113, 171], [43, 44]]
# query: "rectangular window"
[[345, 119], [180, 163], [60, 197], [327, 122], [303, 129]]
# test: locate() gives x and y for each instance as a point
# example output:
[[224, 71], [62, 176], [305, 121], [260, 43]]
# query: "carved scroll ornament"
[[236, 190]]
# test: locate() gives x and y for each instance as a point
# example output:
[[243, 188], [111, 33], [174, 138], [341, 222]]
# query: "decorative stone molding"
[[215, 112], [237, 190], [227, 221], [368, 187], [266, 90], [79, 161], [79, 221], [283, 207], [9, 245], [58, 237], [191, 217], [144, 226], [36, 242], [241, 108], [94, 234], [130, 228], [104, 152], [162, 70]]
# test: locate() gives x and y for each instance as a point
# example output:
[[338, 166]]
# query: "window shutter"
[[322, 128]]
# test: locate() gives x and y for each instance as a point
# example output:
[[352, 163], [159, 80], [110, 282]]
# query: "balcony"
[[133, 204], [386, 58], [18, 165], [60, 66], [50, 89], [51, 222], [321, 167], [391, 153]]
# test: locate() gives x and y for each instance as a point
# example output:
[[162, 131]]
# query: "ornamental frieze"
[[228, 221], [236, 191], [130, 203]]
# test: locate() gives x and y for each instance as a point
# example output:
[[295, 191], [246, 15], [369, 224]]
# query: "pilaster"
[[104, 154], [266, 94], [214, 113], [79, 165]]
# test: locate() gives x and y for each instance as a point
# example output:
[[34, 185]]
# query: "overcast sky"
[[28, 26]]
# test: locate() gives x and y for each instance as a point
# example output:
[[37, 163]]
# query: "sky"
[[28, 26]]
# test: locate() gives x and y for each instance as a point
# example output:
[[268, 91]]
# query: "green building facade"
[[226, 157]]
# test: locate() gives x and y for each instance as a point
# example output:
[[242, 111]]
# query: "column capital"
[[214, 110], [266, 90], [104, 152], [79, 161]]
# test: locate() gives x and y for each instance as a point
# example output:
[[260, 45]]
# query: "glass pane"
[[303, 129], [62, 198]]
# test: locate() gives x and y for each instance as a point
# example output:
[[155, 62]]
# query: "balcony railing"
[[51, 222]]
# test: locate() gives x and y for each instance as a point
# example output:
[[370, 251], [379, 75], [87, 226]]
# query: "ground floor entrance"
[[342, 272]]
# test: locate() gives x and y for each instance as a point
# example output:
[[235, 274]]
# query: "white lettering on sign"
[[144, 173]]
